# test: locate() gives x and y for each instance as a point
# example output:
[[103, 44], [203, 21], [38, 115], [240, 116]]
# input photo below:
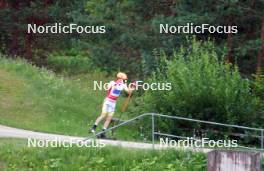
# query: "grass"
[[20, 157], [37, 99]]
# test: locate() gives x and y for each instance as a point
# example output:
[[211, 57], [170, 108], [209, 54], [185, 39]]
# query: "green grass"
[[38, 99], [20, 157]]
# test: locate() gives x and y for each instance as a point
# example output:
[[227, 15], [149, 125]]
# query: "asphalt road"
[[9, 132]]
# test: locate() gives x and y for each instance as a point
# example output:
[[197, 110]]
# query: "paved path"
[[9, 132]]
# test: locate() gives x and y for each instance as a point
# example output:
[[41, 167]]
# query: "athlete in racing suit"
[[114, 90]]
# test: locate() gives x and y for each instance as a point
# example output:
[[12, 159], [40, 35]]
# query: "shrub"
[[258, 85], [203, 87]]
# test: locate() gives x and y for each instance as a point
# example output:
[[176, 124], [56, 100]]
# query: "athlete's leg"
[[102, 116], [110, 108], [108, 120], [106, 124]]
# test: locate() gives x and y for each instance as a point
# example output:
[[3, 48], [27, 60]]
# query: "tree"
[[15, 15]]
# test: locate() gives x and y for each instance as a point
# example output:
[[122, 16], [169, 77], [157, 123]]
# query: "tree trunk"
[[229, 47], [3, 3], [28, 45], [261, 52], [15, 30]]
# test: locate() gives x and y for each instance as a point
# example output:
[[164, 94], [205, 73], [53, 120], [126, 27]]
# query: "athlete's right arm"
[[128, 89]]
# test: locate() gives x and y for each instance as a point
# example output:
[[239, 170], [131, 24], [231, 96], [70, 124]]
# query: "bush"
[[203, 87], [259, 86]]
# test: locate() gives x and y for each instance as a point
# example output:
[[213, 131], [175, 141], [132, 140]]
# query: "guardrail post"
[[153, 129], [261, 139]]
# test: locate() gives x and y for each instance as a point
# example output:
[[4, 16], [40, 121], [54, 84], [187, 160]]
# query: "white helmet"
[[121, 75]]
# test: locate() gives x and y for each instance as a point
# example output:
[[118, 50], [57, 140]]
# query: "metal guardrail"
[[153, 133]]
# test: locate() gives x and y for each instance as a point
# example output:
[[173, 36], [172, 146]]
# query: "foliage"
[[70, 62], [107, 158], [258, 85], [204, 87], [132, 30], [131, 35]]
